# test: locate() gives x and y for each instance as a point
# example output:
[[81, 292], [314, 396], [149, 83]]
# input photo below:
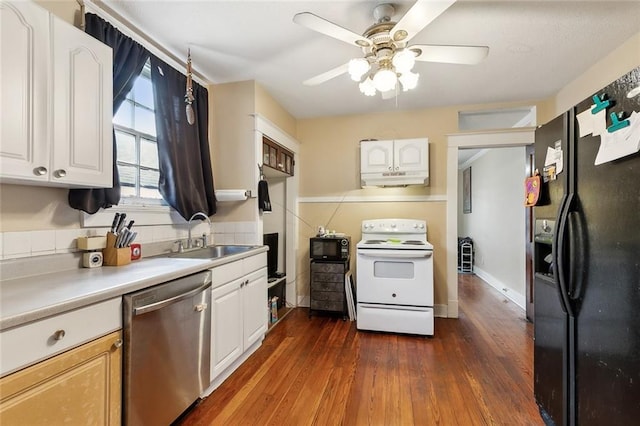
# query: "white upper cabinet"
[[394, 162], [24, 50], [56, 87], [410, 154]]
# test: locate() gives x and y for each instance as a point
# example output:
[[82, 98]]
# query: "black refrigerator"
[[587, 264]]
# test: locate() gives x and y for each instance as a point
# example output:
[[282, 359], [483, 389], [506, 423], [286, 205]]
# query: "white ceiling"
[[536, 47]]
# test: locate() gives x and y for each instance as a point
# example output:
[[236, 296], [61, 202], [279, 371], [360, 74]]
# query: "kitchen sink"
[[212, 252]]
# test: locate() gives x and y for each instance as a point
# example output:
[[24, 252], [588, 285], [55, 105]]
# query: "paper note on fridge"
[[589, 123], [554, 157], [620, 143]]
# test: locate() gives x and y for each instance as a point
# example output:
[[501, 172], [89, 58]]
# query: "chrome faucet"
[[189, 240]]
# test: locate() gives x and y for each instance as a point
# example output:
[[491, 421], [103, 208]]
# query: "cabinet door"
[[24, 60], [81, 386], [254, 297], [226, 326], [376, 156], [410, 155], [82, 110]]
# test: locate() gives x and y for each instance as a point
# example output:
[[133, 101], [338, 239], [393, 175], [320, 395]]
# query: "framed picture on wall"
[[466, 190]]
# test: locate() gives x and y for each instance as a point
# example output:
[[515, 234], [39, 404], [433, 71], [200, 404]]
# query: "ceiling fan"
[[387, 58]]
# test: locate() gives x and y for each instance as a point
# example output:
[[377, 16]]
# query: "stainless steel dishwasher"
[[167, 347]]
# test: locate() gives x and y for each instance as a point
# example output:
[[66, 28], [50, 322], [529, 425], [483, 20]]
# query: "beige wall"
[[329, 154], [268, 107], [232, 140], [620, 61]]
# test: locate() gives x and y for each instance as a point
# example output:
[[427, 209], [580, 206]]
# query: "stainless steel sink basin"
[[213, 252]]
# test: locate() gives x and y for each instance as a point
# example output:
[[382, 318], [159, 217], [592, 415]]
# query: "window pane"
[[123, 117], [143, 92], [126, 145], [149, 178], [128, 179], [148, 153], [145, 121], [150, 193], [127, 191]]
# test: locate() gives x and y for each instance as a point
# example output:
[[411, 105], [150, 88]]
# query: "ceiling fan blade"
[[419, 16], [327, 75], [467, 55], [321, 25]]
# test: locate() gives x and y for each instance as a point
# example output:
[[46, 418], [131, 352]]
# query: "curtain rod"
[[130, 29]]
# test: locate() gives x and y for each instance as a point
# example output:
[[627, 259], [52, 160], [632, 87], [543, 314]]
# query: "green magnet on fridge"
[[599, 103], [617, 123]]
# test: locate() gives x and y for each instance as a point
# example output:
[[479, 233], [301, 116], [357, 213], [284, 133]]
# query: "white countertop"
[[28, 299]]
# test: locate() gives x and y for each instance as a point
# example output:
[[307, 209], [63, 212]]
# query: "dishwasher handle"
[[162, 303]]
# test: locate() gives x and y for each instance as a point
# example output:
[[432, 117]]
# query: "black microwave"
[[330, 247]]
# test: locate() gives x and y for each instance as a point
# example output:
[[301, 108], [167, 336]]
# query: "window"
[[135, 129]]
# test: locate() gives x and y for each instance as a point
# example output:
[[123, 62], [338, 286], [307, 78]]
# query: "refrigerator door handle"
[[558, 250], [576, 261]]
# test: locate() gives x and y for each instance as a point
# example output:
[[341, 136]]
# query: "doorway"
[[490, 217], [509, 138]]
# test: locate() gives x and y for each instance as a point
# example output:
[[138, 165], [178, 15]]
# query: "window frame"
[[138, 136]]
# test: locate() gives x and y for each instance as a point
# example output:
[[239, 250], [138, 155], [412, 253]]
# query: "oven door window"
[[394, 270]]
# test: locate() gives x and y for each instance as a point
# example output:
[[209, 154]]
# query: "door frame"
[[486, 139]]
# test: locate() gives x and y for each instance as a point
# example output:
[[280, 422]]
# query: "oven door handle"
[[396, 254]]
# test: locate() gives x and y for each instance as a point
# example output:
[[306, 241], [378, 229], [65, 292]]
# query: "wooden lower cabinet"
[[79, 387]]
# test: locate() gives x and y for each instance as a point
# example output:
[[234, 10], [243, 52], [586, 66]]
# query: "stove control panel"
[[392, 226]]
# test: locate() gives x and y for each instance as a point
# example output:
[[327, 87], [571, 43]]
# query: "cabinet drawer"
[[24, 345], [333, 296], [254, 263], [336, 268], [327, 286], [324, 305], [330, 278], [226, 273]]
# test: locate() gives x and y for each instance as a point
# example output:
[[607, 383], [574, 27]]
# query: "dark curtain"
[[129, 58], [186, 180]]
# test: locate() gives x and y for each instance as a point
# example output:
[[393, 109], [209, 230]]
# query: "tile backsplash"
[[14, 245]]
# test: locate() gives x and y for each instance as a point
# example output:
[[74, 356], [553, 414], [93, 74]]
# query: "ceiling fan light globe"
[[385, 80], [404, 60], [409, 80], [357, 68], [367, 87]]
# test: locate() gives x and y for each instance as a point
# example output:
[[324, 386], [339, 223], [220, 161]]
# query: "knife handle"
[[115, 222]]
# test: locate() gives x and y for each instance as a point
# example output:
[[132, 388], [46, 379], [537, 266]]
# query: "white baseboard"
[[304, 301], [452, 309], [440, 311], [511, 294]]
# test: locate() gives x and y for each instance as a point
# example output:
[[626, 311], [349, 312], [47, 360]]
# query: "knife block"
[[113, 256]]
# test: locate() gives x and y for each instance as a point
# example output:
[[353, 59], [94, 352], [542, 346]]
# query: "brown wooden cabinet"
[[327, 287], [276, 157], [80, 386]]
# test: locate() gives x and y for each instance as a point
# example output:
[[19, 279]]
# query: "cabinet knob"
[[117, 343], [60, 173], [200, 307], [397, 167], [59, 335], [390, 168], [40, 171]]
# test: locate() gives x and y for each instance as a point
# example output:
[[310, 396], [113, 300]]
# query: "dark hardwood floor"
[[476, 370]]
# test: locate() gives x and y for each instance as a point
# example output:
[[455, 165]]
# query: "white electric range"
[[395, 277]]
